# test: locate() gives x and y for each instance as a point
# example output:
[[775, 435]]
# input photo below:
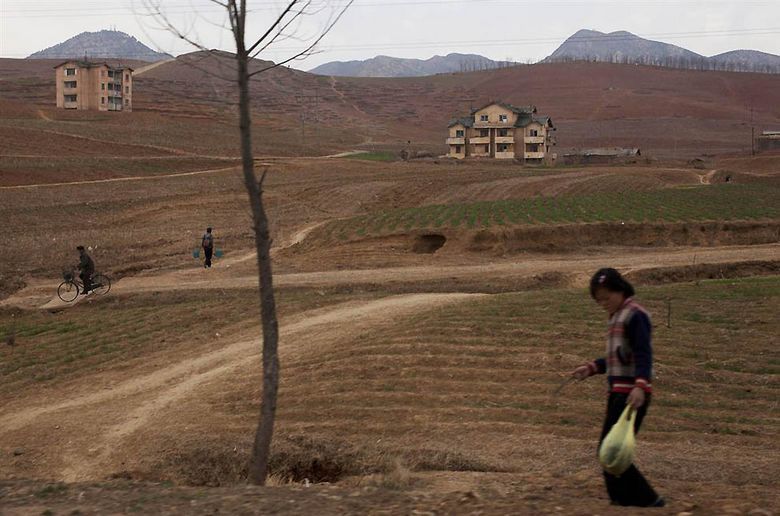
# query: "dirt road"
[[39, 293]]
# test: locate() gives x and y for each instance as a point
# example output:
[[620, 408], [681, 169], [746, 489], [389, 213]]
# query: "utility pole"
[[752, 132]]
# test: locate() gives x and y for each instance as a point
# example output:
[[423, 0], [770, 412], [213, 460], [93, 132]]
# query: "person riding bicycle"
[[86, 269]]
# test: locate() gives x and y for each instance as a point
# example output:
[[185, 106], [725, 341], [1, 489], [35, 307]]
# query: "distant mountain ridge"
[[584, 45], [624, 47], [104, 44], [386, 66]]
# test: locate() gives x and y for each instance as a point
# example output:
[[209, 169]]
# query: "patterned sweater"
[[629, 360]]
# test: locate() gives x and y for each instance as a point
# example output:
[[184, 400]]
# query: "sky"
[[514, 30]]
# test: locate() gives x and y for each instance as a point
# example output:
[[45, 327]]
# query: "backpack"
[[208, 241]]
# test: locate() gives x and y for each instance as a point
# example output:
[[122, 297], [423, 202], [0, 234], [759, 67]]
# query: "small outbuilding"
[[605, 155]]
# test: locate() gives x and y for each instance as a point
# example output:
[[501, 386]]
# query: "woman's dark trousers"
[[630, 488]]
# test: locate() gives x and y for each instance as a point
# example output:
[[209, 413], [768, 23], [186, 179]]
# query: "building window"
[[459, 133], [70, 71], [457, 149], [533, 132], [127, 76], [127, 89], [103, 86], [484, 133], [503, 147], [503, 132], [102, 100], [483, 118], [70, 84], [127, 102], [502, 118], [487, 148], [70, 98]]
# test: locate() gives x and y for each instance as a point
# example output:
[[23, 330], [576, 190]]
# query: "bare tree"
[[282, 28]]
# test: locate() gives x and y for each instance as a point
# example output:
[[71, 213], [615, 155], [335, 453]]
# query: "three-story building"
[[503, 131]]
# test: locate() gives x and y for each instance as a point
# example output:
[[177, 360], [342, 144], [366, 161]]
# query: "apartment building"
[[94, 86], [503, 131]]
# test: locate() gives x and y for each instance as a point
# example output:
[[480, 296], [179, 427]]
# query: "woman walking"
[[628, 365]]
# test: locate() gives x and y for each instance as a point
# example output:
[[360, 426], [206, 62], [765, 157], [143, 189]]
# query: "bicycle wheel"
[[101, 284], [68, 291]]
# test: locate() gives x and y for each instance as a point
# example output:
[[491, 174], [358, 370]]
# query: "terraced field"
[[724, 202], [468, 388]]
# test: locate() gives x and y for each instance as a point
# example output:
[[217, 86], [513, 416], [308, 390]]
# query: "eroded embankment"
[[578, 236]]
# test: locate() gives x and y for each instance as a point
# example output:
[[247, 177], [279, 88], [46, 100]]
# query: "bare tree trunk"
[[258, 467]]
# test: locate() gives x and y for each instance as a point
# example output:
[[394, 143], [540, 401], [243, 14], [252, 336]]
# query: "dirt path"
[[152, 66], [121, 179], [332, 80], [39, 292], [95, 423]]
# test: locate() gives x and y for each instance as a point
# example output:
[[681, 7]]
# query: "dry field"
[[428, 309]]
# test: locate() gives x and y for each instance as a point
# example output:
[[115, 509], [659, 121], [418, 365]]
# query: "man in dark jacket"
[[86, 269], [208, 247]]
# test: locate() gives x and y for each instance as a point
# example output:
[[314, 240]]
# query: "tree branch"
[[274, 25], [309, 50]]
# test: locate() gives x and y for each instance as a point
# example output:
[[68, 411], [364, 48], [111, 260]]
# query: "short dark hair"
[[79, 248], [611, 280], [208, 230]]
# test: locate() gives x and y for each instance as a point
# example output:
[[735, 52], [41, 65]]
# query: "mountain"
[[386, 66], [618, 47], [624, 47], [748, 59], [105, 44]]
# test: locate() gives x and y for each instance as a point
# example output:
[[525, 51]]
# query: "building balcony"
[[534, 155], [534, 139], [479, 140], [505, 155], [505, 139], [490, 125], [456, 140]]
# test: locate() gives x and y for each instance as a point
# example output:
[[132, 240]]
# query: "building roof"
[[526, 119], [515, 109], [466, 121], [92, 64]]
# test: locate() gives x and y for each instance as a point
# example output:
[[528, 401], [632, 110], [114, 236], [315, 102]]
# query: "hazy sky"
[[518, 30]]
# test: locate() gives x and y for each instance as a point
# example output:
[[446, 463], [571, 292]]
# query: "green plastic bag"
[[617, 449]]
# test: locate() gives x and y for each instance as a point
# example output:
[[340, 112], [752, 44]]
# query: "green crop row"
[[693, 204]]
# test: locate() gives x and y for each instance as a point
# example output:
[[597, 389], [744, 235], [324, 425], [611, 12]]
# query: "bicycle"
[[69, 289]]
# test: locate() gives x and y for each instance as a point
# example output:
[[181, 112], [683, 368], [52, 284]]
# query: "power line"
[[519, 42], [89, 8]]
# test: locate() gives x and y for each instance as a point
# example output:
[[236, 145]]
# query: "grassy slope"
[[716, 202]]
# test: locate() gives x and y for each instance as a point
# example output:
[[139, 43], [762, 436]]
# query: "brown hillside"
[[665, 112]]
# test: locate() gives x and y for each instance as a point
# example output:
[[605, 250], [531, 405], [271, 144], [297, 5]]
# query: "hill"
[[102, 44], [386, 66], [617, 47], [627, 48], [748, 60], [189, 103]]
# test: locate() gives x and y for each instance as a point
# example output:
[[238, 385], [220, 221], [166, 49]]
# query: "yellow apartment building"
[[94, 86], [503, 131]]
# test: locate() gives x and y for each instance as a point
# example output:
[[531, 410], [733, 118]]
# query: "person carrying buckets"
[[628, 365]]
